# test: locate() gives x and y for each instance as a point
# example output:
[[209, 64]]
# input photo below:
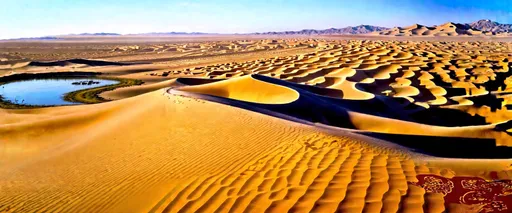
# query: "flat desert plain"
[[234, 124]]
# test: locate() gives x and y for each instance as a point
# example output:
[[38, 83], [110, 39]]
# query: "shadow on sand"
[[313, 106]]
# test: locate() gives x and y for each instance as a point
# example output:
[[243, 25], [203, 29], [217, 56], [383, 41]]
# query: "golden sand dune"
[[243, 89], [142, 49], [350, 126], [312, 106], [446, 29], [282, 166], [423, 73], [138, 90], [141, 157]]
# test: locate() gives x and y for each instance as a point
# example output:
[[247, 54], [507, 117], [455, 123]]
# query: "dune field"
[[265, 125], [446, 29]]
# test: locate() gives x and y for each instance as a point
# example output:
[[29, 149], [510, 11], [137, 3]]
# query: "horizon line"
[[205, 33]]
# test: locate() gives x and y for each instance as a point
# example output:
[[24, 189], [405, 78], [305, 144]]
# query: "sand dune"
[[446, 29], [313, 107], [127, 92], [315, 169], [425, 74], [346, 126], [242, 89]]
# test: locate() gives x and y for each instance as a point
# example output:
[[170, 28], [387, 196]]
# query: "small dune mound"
[[405, 91], [126, 92], [247, 89], [7, 65]]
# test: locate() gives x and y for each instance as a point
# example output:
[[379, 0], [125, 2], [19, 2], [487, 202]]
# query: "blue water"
[[45, 92]]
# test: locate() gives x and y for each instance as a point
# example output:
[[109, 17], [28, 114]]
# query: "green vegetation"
[[86, 96], [8, 105], [91, 95]]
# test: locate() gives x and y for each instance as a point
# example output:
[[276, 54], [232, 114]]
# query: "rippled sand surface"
[[322, 126]]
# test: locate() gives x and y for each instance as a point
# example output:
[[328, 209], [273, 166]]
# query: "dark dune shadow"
[[498, 82], [389, 107], [78, 61], [196, 81], [313, 107], [449, 147], [28, 76], [489, 100], [451, 92], [447, 117]]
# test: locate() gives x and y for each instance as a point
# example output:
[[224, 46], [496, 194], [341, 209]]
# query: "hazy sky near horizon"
[[32, 18]]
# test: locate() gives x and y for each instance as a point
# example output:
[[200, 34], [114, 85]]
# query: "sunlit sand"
[[234, 124]]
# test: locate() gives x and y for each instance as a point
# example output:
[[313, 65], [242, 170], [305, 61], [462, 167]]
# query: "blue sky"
[[30, 18]]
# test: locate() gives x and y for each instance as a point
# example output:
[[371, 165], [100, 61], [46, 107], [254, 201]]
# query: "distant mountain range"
[[152, 33], [361, 29], [98, 34], [59, 37], [491, 26], [174, 33], [480, 27]]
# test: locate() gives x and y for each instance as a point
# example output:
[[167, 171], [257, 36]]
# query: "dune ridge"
[[446, 29], [347, 126], [470, 77], [314, 169], [314, 107]]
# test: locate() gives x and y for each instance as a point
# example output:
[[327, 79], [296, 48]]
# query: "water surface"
[[46, 92]]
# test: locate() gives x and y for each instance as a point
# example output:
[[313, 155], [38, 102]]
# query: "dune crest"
[[285, 166], [272, 125], [446, 29], [247, 89], [311, 106]]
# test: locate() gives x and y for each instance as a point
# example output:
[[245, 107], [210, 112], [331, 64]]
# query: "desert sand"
[[265, 125], [446, 29]]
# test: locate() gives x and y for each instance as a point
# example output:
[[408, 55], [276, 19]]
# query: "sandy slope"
[[305, 103], [471, 77], [174, 153], [291, 133]]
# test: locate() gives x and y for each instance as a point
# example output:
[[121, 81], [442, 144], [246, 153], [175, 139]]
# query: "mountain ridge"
[[360, 29], [480, 27], [491, 26]]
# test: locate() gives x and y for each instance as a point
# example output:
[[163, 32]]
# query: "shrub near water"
[[86, 96], [91, 95]]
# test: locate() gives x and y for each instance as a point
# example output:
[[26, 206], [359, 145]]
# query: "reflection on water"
[[46, 92]]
